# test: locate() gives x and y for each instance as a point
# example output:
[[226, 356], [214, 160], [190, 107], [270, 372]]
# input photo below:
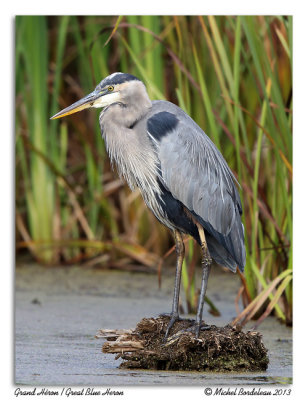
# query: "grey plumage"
[[196, 174], [180, 173], [190, 167]]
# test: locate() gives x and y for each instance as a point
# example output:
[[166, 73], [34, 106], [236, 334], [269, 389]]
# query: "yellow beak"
[[86, 102]]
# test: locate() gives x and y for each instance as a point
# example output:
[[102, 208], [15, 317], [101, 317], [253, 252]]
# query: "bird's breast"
[[137, 163]]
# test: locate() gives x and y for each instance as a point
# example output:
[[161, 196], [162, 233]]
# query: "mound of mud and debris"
[[217, 349]]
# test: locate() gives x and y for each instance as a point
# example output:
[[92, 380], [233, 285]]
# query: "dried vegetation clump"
[[217, 348]]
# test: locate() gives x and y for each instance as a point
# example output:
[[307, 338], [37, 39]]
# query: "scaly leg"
[[180, 252], [206, 267]]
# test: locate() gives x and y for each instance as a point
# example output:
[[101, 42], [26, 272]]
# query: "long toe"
[[165, 315], [205, 327], [173, 319], [200, 327], [194, 329], [178, 318]]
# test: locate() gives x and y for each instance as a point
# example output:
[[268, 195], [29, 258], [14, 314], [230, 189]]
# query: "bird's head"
[[116, 88]]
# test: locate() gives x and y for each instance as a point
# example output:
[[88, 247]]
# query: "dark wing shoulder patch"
[[161, 124]]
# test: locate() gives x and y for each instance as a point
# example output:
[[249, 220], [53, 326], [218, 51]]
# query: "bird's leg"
[[180, 252], [206, 267]]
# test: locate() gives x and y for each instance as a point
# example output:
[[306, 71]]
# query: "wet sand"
[[59, 310]]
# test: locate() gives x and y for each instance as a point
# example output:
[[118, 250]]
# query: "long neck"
[[128, 145]]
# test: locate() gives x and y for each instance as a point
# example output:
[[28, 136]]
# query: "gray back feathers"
[[197, 175], [157, 145]]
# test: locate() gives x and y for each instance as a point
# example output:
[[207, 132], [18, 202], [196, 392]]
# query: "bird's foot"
[[194, 329], [173, 319]]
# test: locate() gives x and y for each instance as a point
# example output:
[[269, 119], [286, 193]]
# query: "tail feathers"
[[228, 250], [220, 254]]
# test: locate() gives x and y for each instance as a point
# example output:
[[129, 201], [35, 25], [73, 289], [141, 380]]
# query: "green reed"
[[231, 74]]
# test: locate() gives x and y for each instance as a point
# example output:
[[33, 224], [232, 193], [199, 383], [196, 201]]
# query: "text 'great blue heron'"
[[182, 176]]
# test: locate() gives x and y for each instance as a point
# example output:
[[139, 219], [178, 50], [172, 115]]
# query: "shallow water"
[[59, 310]]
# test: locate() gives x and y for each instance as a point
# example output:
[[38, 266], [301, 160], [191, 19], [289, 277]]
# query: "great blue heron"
[[182, 176]]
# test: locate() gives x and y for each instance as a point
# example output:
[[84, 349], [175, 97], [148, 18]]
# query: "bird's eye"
[[110, 88]]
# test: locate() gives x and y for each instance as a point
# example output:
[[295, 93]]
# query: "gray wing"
[[196, 174]]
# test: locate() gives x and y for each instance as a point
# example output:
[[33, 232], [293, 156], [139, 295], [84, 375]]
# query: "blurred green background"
[[231, 74]]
